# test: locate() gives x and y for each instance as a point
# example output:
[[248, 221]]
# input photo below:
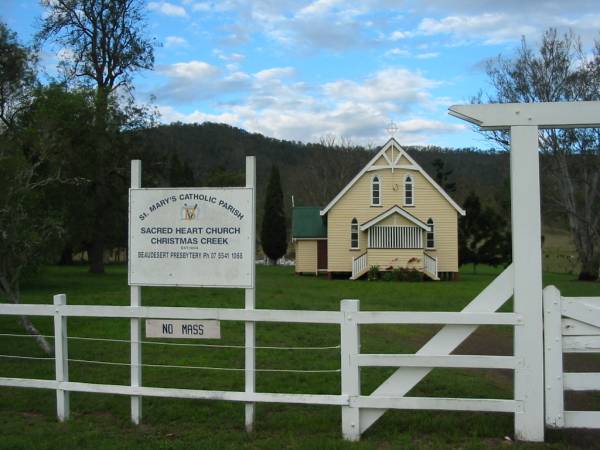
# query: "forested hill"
[[312, 173]]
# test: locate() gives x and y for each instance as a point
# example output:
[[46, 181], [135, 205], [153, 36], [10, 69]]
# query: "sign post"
[[136, 324], [250, 331], [194, 237]]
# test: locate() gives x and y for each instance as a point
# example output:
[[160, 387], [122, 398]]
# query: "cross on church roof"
[[392, 129]]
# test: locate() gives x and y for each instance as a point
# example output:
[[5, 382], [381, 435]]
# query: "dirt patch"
[[487, 341], [581, 438], [581, 362]]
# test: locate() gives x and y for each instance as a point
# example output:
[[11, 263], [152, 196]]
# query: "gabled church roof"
[[393, 164], [394, 210]]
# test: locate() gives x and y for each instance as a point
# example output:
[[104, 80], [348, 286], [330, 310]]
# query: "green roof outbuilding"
[[307, 223]]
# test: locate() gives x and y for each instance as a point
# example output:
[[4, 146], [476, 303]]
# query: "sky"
[[313, 70]]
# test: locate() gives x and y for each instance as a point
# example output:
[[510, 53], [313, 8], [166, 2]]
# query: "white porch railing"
[[359, 265], [392, 236], [430, 264]]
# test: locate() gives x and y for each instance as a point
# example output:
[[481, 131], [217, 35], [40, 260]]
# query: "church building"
[[392, 214]]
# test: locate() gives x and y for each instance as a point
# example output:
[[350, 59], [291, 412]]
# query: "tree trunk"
[[96, 256], [589, 271], [66, 257], [32, 330], [12, 292]]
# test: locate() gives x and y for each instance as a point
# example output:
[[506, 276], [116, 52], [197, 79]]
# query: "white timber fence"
[[571, 325], [349, 318]]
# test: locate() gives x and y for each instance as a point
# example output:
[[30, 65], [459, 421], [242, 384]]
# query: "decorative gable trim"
[[394, 210], [392, 165]]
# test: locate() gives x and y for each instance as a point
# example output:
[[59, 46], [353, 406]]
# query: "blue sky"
[[306, 70]]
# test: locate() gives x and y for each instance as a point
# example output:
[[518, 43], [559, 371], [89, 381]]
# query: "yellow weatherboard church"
[[392, 214]]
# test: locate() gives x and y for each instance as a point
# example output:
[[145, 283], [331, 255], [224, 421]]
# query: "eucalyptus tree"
[[560, 70], [17, 77], [26, 227], [106, 45]]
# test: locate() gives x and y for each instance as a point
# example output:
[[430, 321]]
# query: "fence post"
[[527, 261], [249, 304], [553, 370], [349, 348], [61, 358], [136, 324]]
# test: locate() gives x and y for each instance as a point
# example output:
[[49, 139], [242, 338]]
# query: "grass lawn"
[[27, 417]]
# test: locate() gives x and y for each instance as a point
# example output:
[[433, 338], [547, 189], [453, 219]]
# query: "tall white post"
[[350, 347], [61, 358], [250, 301], [527, 261], [136, 325]]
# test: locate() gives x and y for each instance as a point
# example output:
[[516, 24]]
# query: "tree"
[[28, 228], [442, 176], [273, 234], [484, 237], [106, 39], [59, 124], [560, 70], [17, 77], [223, 177], [180, 174]]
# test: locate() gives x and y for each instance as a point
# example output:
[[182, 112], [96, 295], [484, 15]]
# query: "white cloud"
[[318, 7], [170, 114], [168, 9], [275, 104], [197, 80], [231, 57], [398, 34], [429, 55], [192, 70], [275, 72], [491, 28], [402, 52], [387, 85], [175, 41], [201, 6]]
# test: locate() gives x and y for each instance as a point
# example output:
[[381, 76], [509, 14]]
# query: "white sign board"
[[197, 237], [186, 329]]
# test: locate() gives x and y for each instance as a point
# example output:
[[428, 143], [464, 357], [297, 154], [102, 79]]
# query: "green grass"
[[27, 417]]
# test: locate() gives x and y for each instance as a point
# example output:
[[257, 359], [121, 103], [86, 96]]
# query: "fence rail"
[[349, 319]]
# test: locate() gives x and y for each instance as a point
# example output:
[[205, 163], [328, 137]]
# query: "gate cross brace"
[[444, 342]]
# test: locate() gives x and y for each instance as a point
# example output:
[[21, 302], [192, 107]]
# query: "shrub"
[[387, 276], [398, 274], [413, 275], [373, 273]]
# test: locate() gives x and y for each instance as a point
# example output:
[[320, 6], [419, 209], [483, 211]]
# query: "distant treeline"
[[312, 173]]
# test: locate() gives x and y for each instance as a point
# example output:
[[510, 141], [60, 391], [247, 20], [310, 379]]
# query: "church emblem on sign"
[[189, 212]]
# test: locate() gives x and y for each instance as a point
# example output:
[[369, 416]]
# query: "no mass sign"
[[191, 237]]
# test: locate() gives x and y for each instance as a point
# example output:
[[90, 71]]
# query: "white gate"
[[571, 325]]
